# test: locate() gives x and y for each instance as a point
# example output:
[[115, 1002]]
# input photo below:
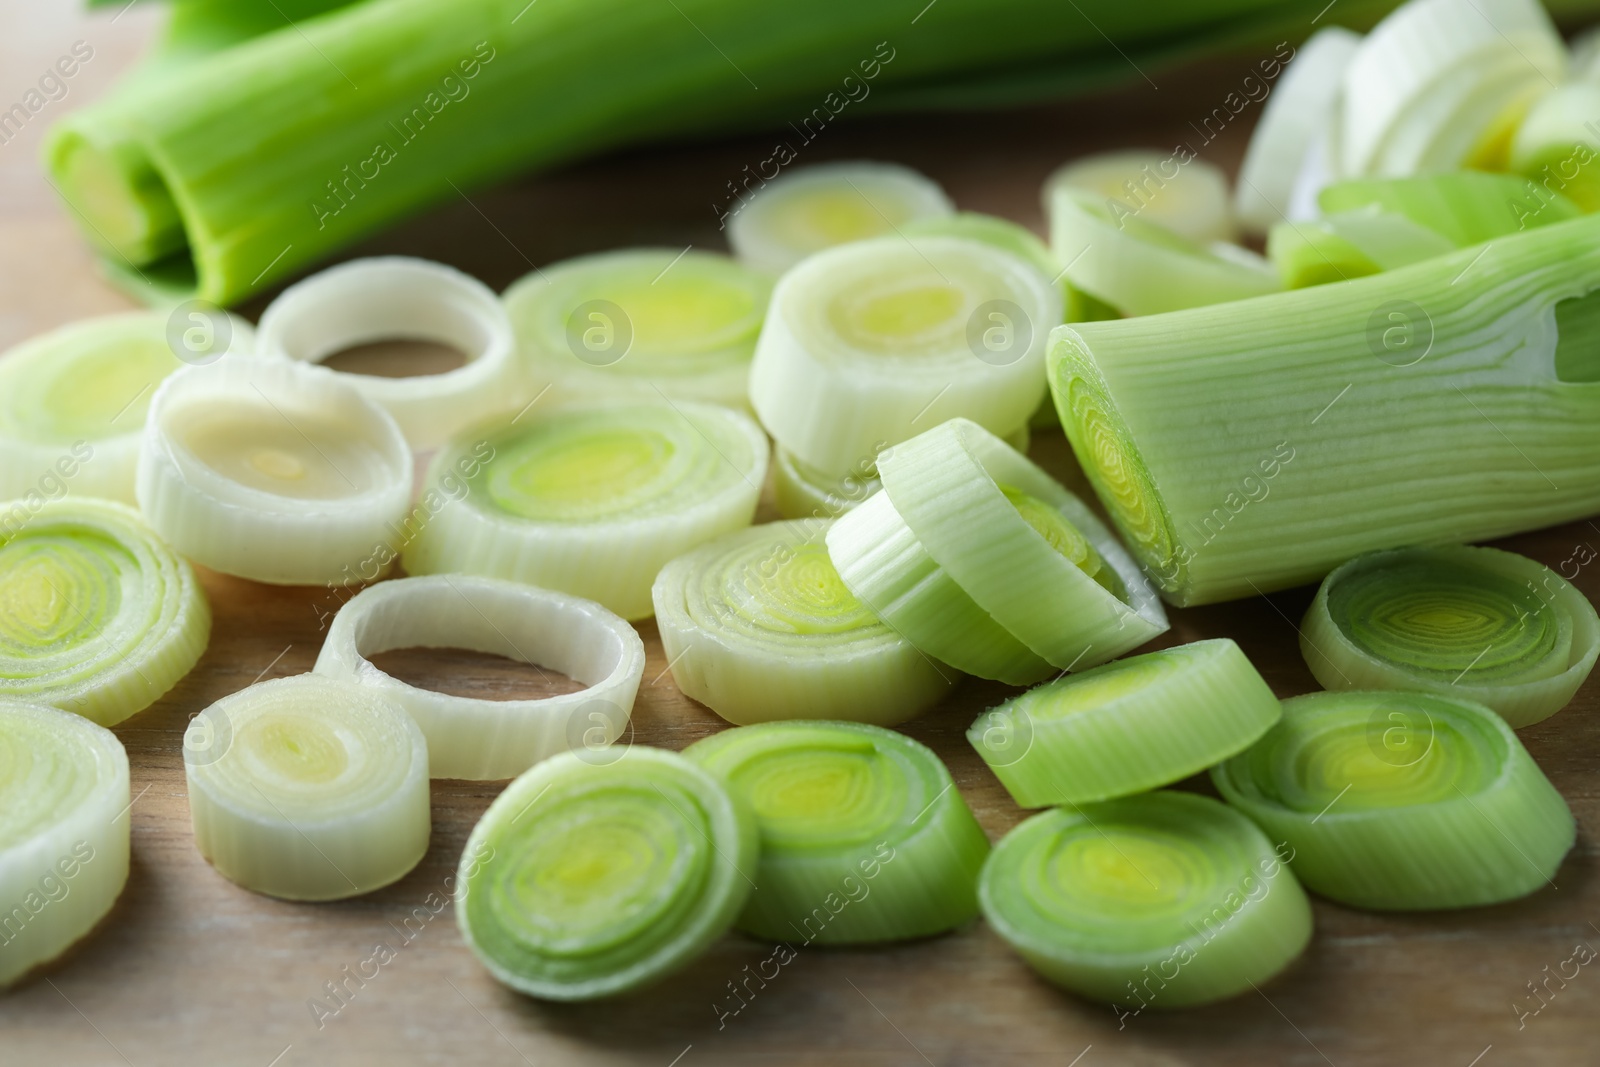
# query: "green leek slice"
[[1556, 146], [1466, 208], [1350, 244], [864, 836], [1402, 800], [1189, 198], [585, 879], [1163, 900]]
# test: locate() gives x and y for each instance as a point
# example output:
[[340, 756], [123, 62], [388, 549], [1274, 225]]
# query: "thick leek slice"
[[1190, 198], [1473, 623], [1556, 147], [397, 298], [1402, 800], [1126, 727], [308, 788], [273, 470], [585, 879], [97, 615], [813, 208], [864, 836], [758, 626], [589, 501], [1163, 900], [490, 739], [871, 343], [63, 832], [641, 324], [1465, 208]]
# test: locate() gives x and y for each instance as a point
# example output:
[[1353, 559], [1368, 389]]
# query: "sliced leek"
[[64, 804], [758, 626], [1556, 147], [273, 470], [864, 837], [1465, 208], [490, 739], [587, 879], [589, 501], [1402, 800], [1163, 900], [308, 788], [1185, 195], [1348, 245]]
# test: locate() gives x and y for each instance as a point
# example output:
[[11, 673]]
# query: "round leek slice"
[[393, 298], [97, 616], [272, 470], [586, 879], [73, 401], [1402, 800], [1164, 900], [1126, 727], [758, 626], [817, 207], [64, 804], [868, 344], [1190, 199], [590, 501], [641, 324], [864, 837], [1556, 146], [308, 788], [1474, 623], [491, 739]]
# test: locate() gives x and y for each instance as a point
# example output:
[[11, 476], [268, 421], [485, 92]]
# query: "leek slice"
[[1402, 800], [97, 615], [401, 298], [641, 324], [272, 470], [758, 626], [1556, 146], [1466, 208], [867, 344], [807, 210], [864, 836], [308, 788], [587, 879], [1350, 244], [1168, 899], [592, 502], [1474, 623], [64, 803], [1126, 727], [1191, 201], [491, 739]]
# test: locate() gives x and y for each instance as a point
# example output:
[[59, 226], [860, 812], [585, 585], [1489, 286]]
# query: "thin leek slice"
[[1556, 146], [587, 879], [1350, 244], [308, 788], [864, 836], [589, 501], [813, 208], [64, 804], [1474, 623], [1126, 727], [1163, 900], [97, 615], [272, 470], [758, 626], [491, 739], [1190, 198], [640, 324], [868, 344], [1466, 208], [1402, 801], [394, 298]]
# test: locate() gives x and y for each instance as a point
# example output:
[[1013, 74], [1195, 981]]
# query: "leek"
[[1187, 196], [1556, 146]]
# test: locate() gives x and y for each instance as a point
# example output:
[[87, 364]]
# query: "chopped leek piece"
[[1166, 900], [308, 788], [1466, 208], [64, 804], [758, 626], [1402, 800], [1188, 197], [864, 836], [1351, 244], [1556, 147], [586, 879], [491, 739], [589, 501]]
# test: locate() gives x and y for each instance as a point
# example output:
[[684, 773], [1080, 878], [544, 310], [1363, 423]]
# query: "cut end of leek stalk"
[[864, 837], [587, 879], [308, 788], [1396, 800], [1164, 900], [1187, 196]]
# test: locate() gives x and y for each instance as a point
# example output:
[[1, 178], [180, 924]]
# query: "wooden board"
[[191, 969]]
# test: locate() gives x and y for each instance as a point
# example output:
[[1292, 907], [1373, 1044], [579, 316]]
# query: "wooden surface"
[[190, 969]]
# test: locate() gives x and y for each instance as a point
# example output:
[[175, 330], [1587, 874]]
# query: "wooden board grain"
[[191, 969]]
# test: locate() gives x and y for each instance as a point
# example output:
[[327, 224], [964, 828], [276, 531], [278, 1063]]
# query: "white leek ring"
[[1189, 198]]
